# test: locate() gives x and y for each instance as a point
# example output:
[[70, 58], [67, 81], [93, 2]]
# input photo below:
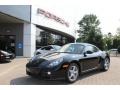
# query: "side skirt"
[[85, 71]]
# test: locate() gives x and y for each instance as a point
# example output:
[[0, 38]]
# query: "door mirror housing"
[[89, 52], [84, 54]]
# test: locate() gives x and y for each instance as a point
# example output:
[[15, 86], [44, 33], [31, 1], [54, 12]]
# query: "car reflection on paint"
[[47, 49], [69, 62]]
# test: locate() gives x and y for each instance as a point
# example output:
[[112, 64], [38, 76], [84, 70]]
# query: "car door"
[[90, 59]]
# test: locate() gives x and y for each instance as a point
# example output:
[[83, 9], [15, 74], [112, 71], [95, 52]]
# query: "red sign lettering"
[[51, 16]]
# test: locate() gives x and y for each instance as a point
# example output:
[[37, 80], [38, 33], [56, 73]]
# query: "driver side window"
[[89, 50]]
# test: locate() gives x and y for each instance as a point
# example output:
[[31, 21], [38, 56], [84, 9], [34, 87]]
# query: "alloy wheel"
[[73, 73], [106, 64]]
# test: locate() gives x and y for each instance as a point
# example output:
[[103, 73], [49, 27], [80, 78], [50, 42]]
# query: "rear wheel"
[[72, 73], [105, 64]]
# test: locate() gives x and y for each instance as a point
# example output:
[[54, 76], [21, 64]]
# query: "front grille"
[[35, 63]]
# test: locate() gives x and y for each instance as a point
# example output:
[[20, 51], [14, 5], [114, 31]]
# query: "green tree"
[[116, 41], [118, 31], [108, 39], [112, 41], [90, 32]]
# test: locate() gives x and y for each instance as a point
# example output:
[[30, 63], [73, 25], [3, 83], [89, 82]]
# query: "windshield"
[[72, 48], [57, 47]]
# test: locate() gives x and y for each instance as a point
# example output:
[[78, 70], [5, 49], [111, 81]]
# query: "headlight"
[[56, 62], [2, 55], [36, 57], [33, 58]]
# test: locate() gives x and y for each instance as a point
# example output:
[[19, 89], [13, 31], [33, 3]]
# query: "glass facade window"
[[44, 38], [7, 43]]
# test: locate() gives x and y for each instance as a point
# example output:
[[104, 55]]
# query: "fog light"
[[65, 66], [49, 73]]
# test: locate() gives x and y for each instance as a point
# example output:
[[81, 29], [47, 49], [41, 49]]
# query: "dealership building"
[[23, 28]]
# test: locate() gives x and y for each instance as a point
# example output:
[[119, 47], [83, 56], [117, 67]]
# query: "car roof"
[[53, 45], [50, 45]]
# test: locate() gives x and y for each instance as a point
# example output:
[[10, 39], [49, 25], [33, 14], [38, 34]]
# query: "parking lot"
[[13, 73]]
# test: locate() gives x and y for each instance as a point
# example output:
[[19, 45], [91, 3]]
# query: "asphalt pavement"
[[13, 73]]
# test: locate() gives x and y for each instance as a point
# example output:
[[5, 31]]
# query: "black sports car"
[[69, 62]]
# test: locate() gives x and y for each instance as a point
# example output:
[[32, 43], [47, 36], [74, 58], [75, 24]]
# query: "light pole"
[[106, 46], [75, 36], [76, 28]]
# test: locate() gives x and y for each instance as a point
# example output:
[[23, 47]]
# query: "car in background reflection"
[[47, 49], [5, 56], [69, 62]]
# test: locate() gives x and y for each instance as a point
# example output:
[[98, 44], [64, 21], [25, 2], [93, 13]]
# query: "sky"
[[107, 11]]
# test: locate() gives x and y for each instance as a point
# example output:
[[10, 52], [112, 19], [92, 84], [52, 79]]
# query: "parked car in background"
[[5, 56], [47, 49], [113, 52], [113, 49], [69, 62]]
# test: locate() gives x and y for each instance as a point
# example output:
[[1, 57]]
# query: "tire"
[[31, 75], [28, 73], [72, 73], [105, 64]]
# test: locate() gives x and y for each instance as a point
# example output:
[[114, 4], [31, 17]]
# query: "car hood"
[[57, 55], [45, 60], [5, 53], [43, 52]]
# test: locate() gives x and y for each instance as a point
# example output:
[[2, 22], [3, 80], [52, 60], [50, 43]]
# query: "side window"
[[89, 48], [95, 49]]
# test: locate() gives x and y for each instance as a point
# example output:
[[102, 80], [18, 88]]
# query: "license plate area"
[[33, 70], [7, 57]]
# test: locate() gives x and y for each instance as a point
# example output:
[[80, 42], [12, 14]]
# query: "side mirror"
[[89, 52], [84, 54]]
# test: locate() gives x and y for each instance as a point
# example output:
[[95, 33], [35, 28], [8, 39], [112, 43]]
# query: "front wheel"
[[72, 73], [105, 64]]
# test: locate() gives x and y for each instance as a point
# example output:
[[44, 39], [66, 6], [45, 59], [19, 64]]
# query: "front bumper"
[[46, 74], [5, 58]]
